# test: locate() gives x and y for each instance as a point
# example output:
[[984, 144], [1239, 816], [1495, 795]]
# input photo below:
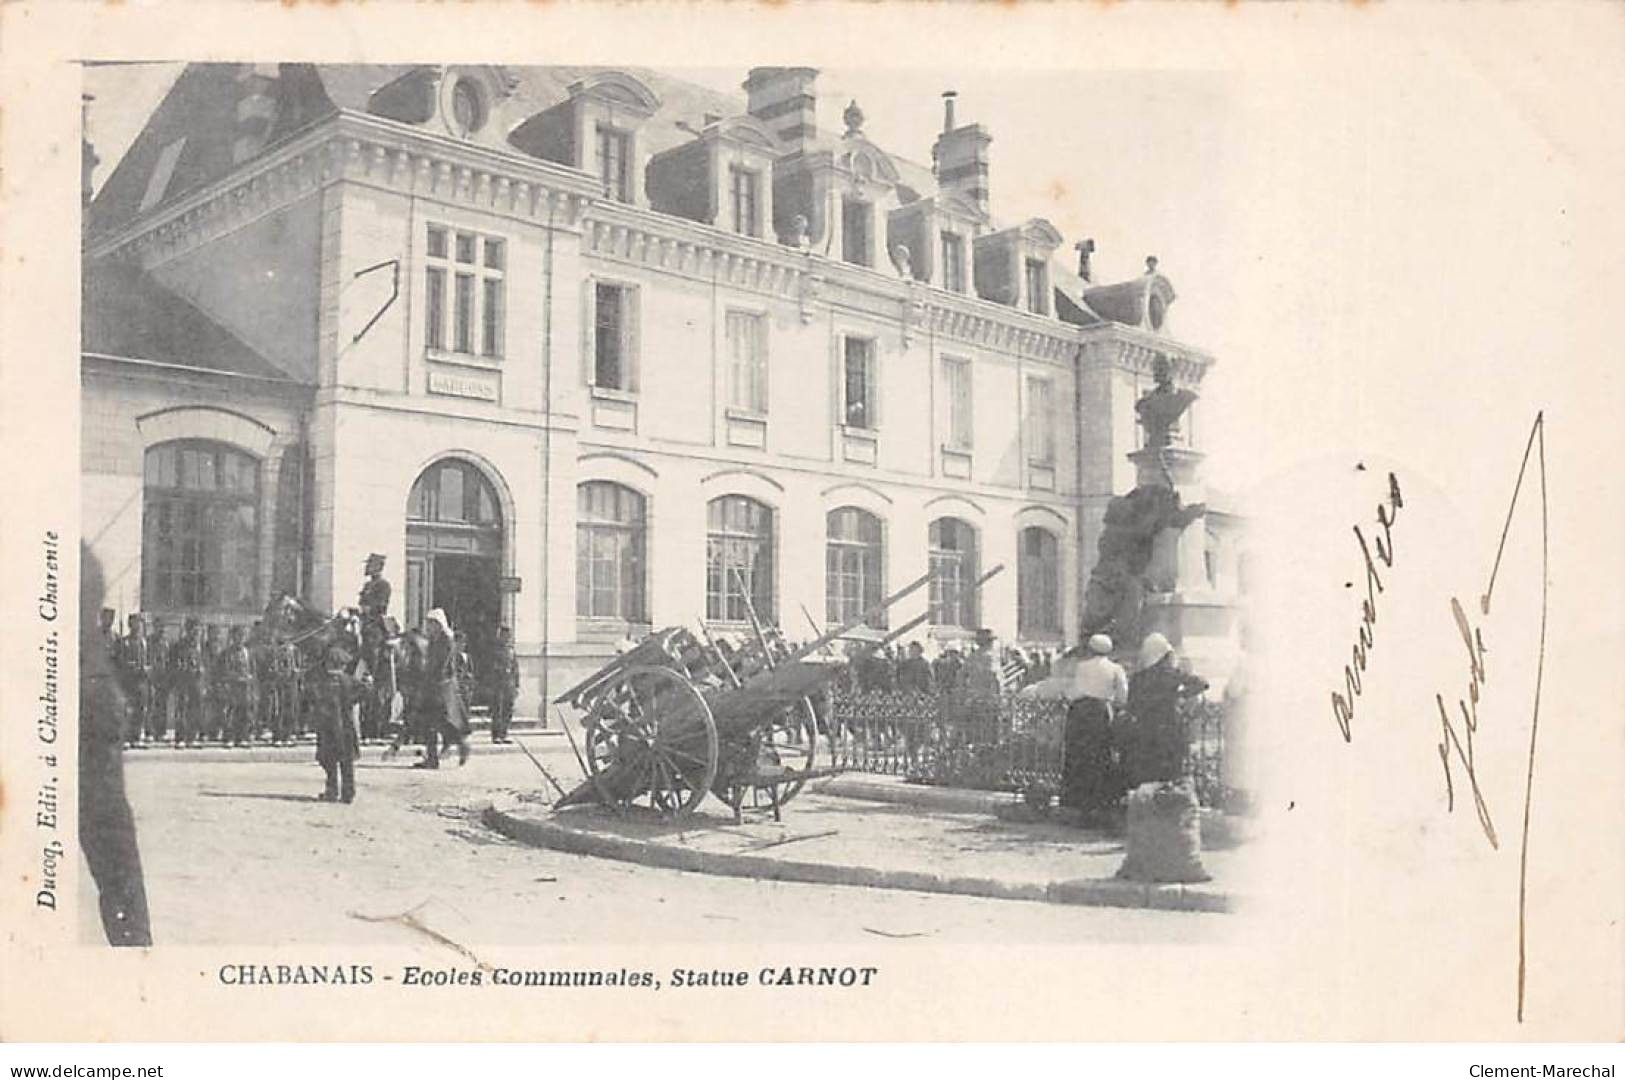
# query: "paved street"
[[241, 852]]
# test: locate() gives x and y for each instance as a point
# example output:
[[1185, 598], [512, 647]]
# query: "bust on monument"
[[1160, 408]]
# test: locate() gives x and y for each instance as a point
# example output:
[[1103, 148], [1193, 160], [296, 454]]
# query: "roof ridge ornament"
[[853, 118]]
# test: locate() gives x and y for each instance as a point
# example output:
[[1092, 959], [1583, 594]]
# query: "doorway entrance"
[[454, 537]]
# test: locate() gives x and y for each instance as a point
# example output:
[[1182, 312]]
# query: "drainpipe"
[[547, 454]]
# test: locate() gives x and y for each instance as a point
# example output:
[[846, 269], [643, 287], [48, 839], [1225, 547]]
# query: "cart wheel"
[[651, 737]]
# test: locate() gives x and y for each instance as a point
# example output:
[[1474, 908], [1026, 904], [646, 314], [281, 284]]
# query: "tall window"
[[745, 185], [859, 383], [747, 361], [956, 381], [464, 272], [614, 166], [855, 232], [854, 566], [1040, 421], [200, 528], [738, 559], [953, 569], [1038, 584], [953, 262], [1037, 287], [614, 336], [610, 544]]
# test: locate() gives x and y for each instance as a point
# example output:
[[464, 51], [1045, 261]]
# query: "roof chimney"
[[960, 158], [784, 99], [87, 159]]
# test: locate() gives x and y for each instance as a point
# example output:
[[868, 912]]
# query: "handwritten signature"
[[1456, 743], [1354, 671]]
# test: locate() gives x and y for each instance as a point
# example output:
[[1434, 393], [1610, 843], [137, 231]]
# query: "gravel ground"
[[242, 853]]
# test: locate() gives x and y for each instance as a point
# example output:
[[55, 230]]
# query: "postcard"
[[891, 522]]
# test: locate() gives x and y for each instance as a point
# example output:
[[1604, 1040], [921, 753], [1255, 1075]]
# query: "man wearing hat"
[[189, 669], [136, 656], [338, 739], [375, 591], [502, 685]]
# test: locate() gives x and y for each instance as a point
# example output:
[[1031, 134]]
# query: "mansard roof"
[[1129, 302]]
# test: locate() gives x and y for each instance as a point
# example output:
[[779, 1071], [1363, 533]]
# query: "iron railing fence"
[[989, 741]]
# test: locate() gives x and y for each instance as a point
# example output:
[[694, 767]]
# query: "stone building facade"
[[586, 351]]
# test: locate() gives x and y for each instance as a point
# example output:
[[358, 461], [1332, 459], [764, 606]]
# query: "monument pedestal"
[[1181, 603]]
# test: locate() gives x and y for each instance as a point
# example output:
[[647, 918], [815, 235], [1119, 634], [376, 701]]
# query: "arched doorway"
[[454, 535]]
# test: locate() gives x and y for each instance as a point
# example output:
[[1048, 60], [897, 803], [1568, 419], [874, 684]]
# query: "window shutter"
[[631, 312], [762, 365], [874, 384], [589, 320]]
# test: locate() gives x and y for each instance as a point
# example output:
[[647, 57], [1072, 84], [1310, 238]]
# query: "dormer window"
[[467, 107], [745, 186], [614, 153], [1037, 287], [855, 232], [953, 262]]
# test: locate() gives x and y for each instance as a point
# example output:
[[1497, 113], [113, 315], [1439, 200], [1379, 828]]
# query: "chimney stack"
[[87, 157], [784, 99], [960, 157]]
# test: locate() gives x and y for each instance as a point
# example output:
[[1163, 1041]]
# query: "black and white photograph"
[[884, 523], [662, 456]]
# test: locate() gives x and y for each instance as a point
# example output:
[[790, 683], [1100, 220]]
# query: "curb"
[[924, 796], [1093, 892]]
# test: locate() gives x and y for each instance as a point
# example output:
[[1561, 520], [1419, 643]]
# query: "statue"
[[853, 118], [1160, 408], [800, 232], [1117, 586], [901, 259]]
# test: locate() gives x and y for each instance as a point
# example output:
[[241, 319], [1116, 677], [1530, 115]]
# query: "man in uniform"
[[137, 661], [376, 634], [214, 685], [236, 681], [338, 741], [188, 672], [375, 591], [158, 683], [287, 708], [502, 685]]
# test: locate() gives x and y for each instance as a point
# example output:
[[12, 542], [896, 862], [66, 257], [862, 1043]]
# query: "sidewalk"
[[835, 839]]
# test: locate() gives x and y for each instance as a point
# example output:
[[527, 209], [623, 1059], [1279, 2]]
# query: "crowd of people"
[[981, 667], [242, 685]]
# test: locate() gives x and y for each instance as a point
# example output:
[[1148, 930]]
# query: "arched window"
[[1038, 584], [738, 559], [953, 567], [454, 492], [610, 545], [290, 561], [854, 566], [200, 528]]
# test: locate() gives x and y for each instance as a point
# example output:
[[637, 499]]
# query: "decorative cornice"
[[688, 249], [364, 149], [1135, 350]]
